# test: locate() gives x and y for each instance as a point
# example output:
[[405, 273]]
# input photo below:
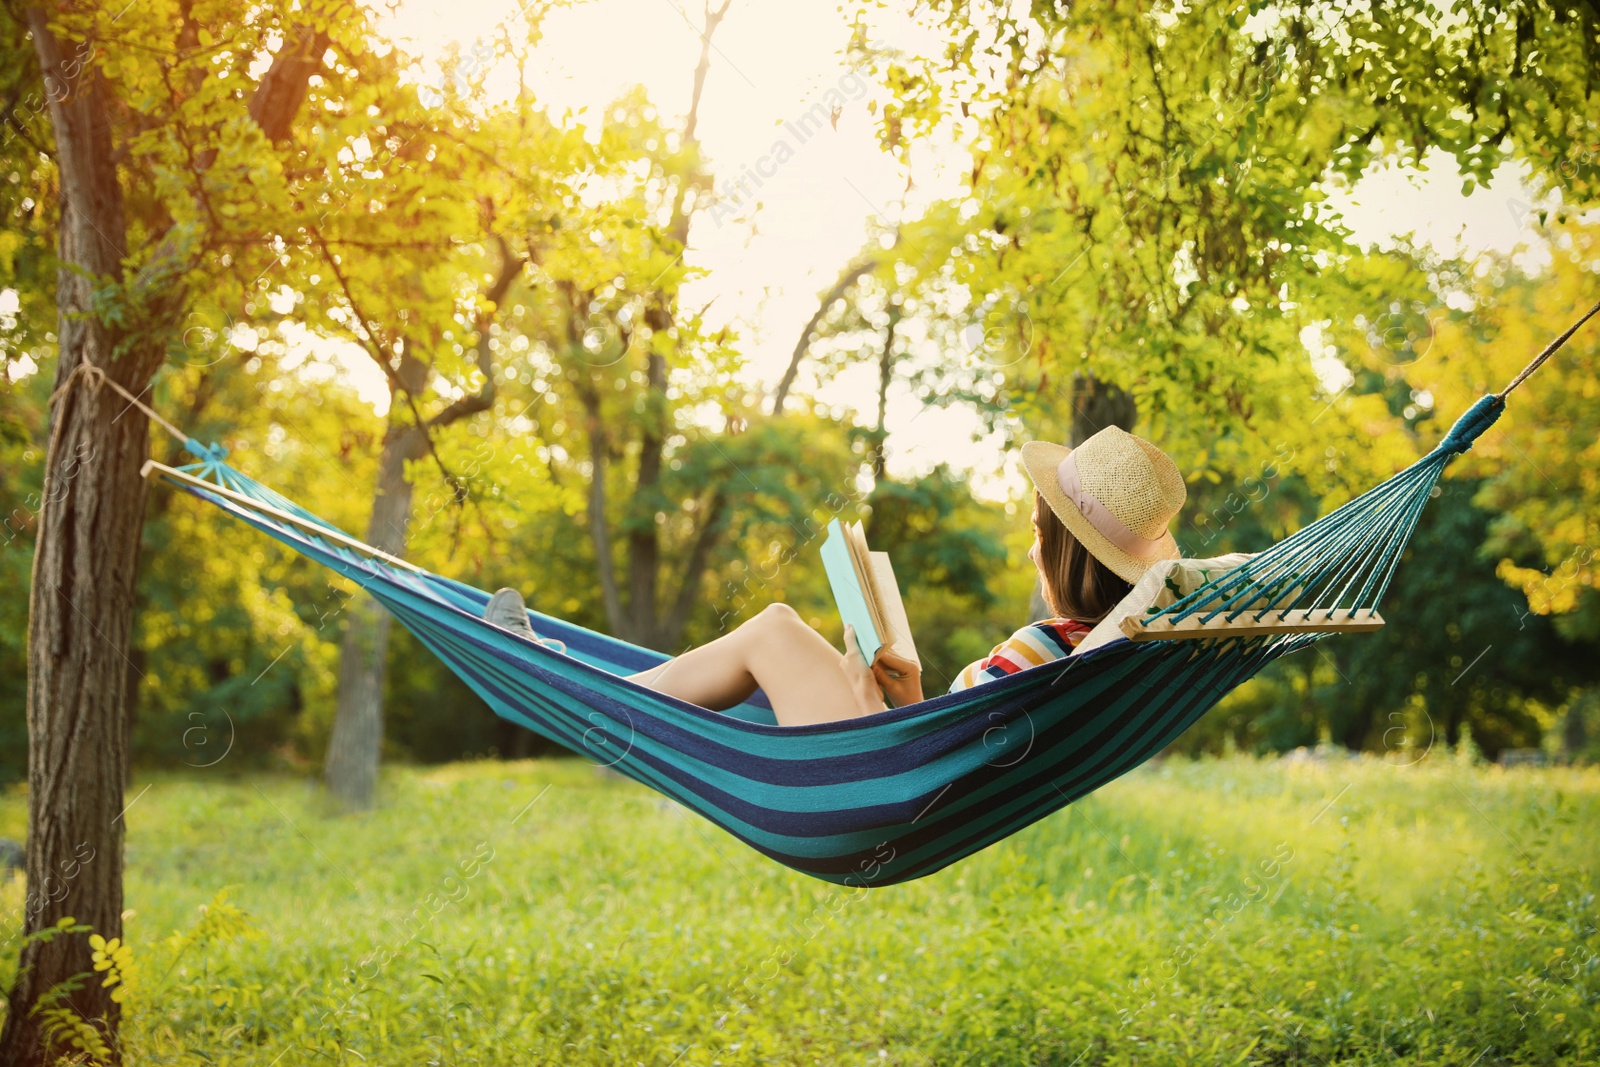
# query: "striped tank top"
[[1036, 643]]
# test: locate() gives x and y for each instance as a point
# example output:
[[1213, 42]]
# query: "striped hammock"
[[898, 795]]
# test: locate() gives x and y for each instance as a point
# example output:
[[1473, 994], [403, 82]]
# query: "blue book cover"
[[846, 567], [842, 576]]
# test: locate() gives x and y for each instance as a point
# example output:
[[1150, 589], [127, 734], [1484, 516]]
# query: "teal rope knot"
[[212, 453], [1478, 418]]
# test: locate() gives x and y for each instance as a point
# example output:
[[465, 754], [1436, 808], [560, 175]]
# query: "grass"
[[1226, 911]]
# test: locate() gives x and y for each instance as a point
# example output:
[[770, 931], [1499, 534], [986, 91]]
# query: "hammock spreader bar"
[[1329, 576]]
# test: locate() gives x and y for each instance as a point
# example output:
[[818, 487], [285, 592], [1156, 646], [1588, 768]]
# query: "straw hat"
[[1116, 492]]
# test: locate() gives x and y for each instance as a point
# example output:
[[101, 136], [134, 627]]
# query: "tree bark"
[[80, 616], [351, 769], [1097, 404], [81, 593]]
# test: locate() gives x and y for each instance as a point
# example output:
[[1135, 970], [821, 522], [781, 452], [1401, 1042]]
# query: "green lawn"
[[1225, 911]]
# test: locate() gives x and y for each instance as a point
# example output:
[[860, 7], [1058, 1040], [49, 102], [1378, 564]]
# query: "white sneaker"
[[507, 611]]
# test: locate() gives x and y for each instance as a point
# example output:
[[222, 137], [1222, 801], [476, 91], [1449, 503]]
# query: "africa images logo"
[[738, 192]]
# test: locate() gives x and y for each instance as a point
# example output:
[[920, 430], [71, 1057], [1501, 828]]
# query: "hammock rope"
[[1549, 350], [1318, 567], [885, 798]]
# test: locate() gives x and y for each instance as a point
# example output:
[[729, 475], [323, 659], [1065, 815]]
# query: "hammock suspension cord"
[[98, 376], [1549, 350]]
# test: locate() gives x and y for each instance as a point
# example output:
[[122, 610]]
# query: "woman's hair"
[[1076, 586]]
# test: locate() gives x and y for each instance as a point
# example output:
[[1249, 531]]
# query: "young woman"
[[1100, 518]]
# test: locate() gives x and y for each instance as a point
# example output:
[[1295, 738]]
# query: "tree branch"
[[287, 82], [396, 385], [807, 334], [694, 567], [511, 266]]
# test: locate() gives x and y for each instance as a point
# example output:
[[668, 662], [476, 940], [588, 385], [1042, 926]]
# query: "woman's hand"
[[899, 678], [860, 676]]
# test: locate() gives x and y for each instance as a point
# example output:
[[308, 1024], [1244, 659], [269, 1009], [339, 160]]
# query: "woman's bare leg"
[[793, 664]]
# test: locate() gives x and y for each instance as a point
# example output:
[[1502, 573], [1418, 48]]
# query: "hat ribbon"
[[1100, 517]]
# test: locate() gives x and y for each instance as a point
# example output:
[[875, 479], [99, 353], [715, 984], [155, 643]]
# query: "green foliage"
[[235, 635], [63, 1029], [1365, 912], [1464, 651], [373, 225], [220, 920], [1146, 206], [61, 1025], [67, 1031], [1536, 464], [1142, 206], [115, 960]]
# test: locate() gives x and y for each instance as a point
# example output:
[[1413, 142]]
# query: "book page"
[[898, 629], [869, 584]]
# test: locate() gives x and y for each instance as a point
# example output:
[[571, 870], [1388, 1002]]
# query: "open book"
[[868, 596]]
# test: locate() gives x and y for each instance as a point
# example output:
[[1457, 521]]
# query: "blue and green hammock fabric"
[[885, 798]]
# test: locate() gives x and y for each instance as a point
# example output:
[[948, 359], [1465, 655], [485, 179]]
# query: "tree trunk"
[[351, 770], [81, 593], [880, 443], [644, 536], [599, 532], [79, 620], [1097, 404], [694, 568], [1574, 731]]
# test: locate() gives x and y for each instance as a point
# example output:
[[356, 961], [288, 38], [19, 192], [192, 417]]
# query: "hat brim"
[[1040, 459]]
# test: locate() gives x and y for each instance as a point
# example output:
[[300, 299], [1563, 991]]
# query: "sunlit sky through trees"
[[785, 233], [771, 62]]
